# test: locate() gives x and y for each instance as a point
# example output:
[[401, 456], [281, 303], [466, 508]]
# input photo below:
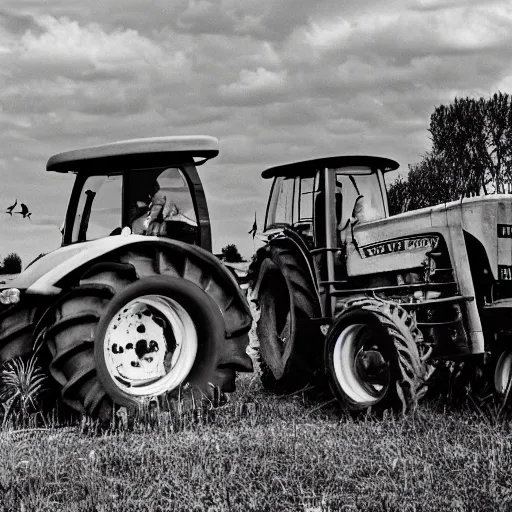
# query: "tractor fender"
[[43, 276], [266, 267], [291, 241], [67, 272], [50, 275]]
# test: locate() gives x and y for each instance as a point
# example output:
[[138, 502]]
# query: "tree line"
[[11, 264], [471, 155]]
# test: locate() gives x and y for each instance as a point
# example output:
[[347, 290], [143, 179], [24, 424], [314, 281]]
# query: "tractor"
[[373, 304], [133, 305]]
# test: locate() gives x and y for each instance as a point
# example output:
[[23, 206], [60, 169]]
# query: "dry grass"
[[265, 453], [261, 452]]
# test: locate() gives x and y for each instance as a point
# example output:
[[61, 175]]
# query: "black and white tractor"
[[374, 302], [133, 305]]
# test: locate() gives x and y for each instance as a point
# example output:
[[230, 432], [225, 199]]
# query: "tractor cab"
[[321, 198], [320, 201], [144, 186]]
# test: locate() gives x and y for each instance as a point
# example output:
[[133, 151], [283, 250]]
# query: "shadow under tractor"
[[133, 305], [374, 304]]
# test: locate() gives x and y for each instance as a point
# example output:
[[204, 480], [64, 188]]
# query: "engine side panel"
[[394, 244], [401, 244]]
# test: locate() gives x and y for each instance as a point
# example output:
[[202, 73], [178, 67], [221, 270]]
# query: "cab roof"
[[135, 153], [333, 162]]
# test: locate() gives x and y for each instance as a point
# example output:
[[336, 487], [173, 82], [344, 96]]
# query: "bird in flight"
[[24, 211], [11, 208]]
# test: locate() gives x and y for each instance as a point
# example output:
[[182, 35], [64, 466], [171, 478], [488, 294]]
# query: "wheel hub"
[[371, 366], [150, 346], [360, 368]]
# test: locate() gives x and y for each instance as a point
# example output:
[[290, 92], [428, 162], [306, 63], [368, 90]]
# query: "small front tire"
[[372, 358]]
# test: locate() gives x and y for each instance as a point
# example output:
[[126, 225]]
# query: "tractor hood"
[[487, 218], [43, 265], [42, 275]]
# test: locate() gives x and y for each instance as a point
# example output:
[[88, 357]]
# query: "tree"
[[11, 264], [231, 254], [471, 155], [398, 196]]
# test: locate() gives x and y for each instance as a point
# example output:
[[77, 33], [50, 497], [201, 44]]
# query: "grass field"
[[266, 453], [261, 452]]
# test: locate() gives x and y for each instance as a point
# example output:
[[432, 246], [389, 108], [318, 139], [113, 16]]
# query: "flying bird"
[[24, 211], [11, 208], [254, 227]]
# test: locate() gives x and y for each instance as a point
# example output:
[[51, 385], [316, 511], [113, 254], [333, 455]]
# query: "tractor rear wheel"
[[127, 333], [289, 347], [372, 357], [16, 327]]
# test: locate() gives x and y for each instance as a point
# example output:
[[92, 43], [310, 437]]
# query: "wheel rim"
[[150, 346], [355, 351], [502, 372]]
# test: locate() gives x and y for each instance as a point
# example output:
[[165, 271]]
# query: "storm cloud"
[[275, 81]]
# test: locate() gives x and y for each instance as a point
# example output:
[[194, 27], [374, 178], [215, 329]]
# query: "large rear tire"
[[18, 340], [290, 349], [372, 357], [16, 327], [174, 288]]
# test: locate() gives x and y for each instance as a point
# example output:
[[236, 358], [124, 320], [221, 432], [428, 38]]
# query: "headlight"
[[10, 296]]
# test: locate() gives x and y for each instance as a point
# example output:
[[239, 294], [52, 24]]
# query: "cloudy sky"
[[274, 80]]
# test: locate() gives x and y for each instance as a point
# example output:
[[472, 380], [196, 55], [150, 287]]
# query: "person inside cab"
[[161, 216]]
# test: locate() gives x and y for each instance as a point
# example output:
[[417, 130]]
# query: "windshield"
[[99, 208], [354, 183], [148, 201]]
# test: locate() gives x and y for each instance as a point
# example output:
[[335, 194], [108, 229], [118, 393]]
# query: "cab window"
[[354, 183], [283, 213], [99, 208], [163, 196], [291, 203]]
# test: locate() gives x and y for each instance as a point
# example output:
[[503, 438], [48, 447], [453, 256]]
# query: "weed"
[[22, 382]]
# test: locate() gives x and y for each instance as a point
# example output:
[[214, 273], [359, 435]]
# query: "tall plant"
[[21, 381]]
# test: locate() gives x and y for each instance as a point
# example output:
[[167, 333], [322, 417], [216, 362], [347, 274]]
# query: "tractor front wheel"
[[372, 358]]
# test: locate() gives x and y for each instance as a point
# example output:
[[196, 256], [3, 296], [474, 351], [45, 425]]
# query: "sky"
[[275, 80]]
